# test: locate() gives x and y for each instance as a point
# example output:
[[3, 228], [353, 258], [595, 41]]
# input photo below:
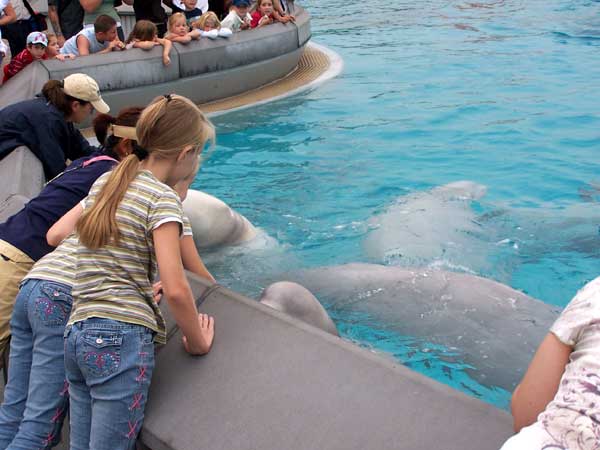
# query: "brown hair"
[[207, 16], [127, 117], [55, 94], [50, 35], [144, 30], [104, 23], [167, 126], [174, 18]]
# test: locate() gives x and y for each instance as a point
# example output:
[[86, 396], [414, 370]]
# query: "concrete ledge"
[[272, 382], [203, 70], [21, 178], [119, 70], [209, 86]]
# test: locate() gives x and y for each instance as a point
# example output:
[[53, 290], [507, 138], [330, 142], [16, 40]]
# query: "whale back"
[[489, 326]]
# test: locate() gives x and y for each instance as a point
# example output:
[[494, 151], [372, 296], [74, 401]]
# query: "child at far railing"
[[265, 15], [192, 9], [238, 18], [179, 30], [35, 51], [53, 49], [210, 26], [145, 36], [129, 230]]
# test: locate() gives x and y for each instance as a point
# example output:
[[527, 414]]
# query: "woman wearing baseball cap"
[[45, 124]]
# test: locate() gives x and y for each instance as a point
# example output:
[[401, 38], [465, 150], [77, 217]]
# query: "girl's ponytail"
[[97, 226]]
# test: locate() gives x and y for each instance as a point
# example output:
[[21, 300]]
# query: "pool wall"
[[203, 70], [274, 382]]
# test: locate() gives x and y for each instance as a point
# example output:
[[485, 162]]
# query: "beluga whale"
[[491, 328], [214, 223], [431, 226]]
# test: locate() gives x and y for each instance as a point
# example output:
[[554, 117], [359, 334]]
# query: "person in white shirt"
[[557, 404]]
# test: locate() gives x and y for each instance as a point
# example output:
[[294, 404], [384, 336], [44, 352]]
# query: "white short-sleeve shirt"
[[571, 421]]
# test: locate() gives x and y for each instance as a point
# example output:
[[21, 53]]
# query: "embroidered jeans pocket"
[[53, 306], [101, 352]]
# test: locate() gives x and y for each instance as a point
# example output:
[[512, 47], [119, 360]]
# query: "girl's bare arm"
[[64, 226], [198, 329], [540, 383]]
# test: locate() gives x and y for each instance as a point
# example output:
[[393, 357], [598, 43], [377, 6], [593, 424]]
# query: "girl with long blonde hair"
[[131, 225]]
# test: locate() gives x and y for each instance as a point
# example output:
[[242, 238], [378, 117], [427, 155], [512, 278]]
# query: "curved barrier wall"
[[272, 382], [203, 70]]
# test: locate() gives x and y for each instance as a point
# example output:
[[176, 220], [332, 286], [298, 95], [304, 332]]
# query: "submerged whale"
[[427, 226], [490, 327], [214, 223]]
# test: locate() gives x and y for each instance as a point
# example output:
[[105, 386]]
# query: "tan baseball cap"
[[85, 88]]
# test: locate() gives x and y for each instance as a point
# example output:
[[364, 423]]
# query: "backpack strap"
[[98, 158]]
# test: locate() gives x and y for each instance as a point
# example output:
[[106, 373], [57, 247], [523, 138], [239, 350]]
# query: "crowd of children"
[[192, 21]]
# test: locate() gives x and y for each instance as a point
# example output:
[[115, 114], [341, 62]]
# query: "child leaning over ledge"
[[265, 15], [35, 50], [145, 36], [53, 49], [102, 38], [179, 30], [238, 18]]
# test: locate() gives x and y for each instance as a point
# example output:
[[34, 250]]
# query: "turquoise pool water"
[[503, 93]]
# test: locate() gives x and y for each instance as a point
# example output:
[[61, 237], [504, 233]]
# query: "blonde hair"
[[50, 35], [174, 18], [167, 126], [144, 30], [207, 16]]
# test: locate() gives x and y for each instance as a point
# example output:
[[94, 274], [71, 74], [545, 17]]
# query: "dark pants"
[[16, 34]]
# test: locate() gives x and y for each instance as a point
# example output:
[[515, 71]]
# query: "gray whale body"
[[491, 327]]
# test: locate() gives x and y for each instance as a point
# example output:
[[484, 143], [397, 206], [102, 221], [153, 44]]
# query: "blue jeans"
[[36, 397], [109, 365]]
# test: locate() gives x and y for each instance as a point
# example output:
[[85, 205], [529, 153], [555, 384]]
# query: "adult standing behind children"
[[152, 11], [102, 38], [557, 404], [16, 31], [130, 228], [45, 124], [96, 8], [66, 17], [7, 15]]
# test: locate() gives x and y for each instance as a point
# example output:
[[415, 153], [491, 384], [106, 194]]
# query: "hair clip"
[[168, 97]]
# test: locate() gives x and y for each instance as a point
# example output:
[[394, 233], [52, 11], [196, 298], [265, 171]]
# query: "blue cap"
[[241, 3]]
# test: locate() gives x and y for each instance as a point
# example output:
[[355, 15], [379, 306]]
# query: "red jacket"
[[18, 63], [256, 16]]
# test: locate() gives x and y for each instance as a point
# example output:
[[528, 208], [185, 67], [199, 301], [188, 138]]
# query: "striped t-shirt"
[[60, 265], [115, 281]]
